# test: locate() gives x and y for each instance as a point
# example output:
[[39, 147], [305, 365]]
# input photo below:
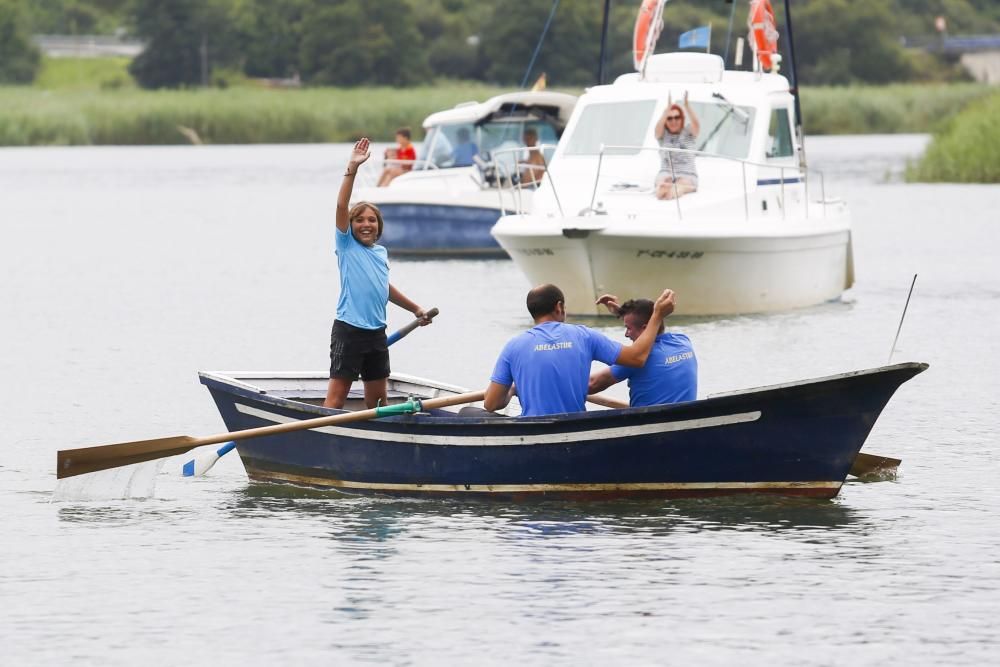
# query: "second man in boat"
[[548, 366]]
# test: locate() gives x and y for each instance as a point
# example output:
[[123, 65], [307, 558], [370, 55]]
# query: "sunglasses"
[[673, 117]]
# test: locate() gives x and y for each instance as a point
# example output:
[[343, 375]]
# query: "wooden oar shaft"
[[598, 399], [70, 462]]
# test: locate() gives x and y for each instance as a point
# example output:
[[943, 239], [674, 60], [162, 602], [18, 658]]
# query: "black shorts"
[[355, 351]]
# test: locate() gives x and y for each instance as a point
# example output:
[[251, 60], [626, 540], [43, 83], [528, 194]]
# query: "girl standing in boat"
[[358, 343], [678, 174]]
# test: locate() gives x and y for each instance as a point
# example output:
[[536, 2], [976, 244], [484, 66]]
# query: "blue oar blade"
[[202, 463]]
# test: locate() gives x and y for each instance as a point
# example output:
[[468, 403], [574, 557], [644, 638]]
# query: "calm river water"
[[126, 270]]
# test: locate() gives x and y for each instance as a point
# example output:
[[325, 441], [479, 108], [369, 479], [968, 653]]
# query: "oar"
[[869, 464], [70, 462], [864, 464], [202, 463], [598, 399], [430, 315]]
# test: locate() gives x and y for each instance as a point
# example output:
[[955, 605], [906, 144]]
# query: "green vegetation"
[[84, 74], [67, 114], [19, 57], [966, 149], [237, 115], [893, 109], [412, 42]]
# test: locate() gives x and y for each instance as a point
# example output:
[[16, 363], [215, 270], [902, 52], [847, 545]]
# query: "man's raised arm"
[[635, 355]]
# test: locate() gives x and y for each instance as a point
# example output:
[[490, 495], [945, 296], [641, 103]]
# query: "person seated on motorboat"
[[670, 374], [678, 175], [548, 366], [399, 160], [465, 151], [533, 167]]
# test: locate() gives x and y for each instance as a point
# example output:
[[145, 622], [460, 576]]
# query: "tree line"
[[409, 42]]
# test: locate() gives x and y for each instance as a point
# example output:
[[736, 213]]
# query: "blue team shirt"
[[669, 376], [366, 270], [550, 364]]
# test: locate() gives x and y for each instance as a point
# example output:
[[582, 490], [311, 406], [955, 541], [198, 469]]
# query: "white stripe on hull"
[[508, 440]]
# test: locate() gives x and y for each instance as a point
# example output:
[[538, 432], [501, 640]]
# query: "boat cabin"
[[746, 136], [494, 126]]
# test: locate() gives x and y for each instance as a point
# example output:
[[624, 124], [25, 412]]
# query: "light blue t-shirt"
[[669, 376], [366, 270], [464, 153], [550, 364]]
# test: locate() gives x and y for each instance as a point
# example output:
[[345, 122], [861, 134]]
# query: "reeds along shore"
[[966, 149], [248, 114], [244, 115]]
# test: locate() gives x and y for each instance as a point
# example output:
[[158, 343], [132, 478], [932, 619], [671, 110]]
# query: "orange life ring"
[[648, 24], [763, 33]]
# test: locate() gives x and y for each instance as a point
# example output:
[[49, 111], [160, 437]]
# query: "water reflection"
[[372, 519], [130, 513]]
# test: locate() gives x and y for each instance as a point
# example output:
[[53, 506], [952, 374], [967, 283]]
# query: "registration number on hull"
[[670, 254]]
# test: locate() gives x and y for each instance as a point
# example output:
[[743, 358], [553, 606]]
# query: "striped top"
[[683, 162]]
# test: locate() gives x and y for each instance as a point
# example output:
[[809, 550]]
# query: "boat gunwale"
[[220, 381]]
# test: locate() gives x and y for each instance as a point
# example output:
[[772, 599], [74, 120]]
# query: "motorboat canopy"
[[496, 124]]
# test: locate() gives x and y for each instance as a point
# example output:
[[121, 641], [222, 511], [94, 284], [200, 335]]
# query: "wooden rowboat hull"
[[796, 439]]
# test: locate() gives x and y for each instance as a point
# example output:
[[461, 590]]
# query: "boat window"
[[448, 145], [779, 135], [611, 124], [724, 129]]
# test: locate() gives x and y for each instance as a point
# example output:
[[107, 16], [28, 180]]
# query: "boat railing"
[[802, 175], [509, 174]]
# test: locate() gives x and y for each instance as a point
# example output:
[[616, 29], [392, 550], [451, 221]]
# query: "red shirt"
[[407, 153]]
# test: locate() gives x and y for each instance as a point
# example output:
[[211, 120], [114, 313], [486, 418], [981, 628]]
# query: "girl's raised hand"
[[360, 153]]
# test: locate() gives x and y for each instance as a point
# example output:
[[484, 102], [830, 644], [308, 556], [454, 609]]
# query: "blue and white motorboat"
[[448, 202]]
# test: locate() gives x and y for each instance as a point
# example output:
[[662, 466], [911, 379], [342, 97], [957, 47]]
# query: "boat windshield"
[[724, 129], [454, 144]]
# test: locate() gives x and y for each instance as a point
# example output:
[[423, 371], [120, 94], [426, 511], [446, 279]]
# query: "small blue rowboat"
[[799, 438]]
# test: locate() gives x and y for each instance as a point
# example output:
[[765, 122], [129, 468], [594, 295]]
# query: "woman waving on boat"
[[358, 344], [678, 174]]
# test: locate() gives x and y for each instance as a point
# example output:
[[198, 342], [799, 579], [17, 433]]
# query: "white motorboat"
[[448, 202], [758, 235]]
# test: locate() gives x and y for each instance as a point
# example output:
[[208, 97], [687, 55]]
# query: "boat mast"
[[538, 47], [604, 41], [795, 86], [729, 31]]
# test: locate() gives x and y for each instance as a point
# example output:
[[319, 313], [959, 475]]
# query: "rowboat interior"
[[309, 388]]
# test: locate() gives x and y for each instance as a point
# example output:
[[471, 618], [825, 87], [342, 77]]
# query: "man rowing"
[[670, 374], [548, 366]]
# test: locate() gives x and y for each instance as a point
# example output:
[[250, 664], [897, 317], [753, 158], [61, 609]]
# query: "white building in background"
[[87, 46]]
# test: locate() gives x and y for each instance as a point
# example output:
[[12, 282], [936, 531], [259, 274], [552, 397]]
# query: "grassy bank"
[[892, 109], [966, 149], [81, 103], [29, 116]]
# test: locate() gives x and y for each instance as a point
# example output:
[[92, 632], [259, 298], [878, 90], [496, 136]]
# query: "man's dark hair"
[[542, 300], [405, 131], [643, 308]]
